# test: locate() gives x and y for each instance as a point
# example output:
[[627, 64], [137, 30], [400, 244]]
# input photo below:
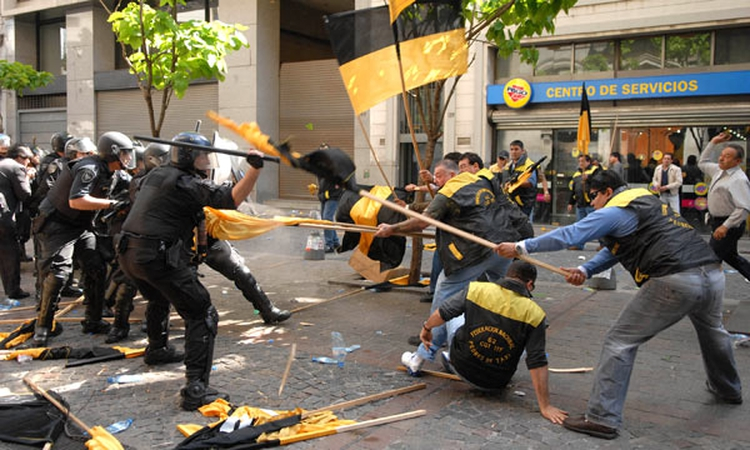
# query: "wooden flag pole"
[[367, 399], [457, 231], [288, 367]]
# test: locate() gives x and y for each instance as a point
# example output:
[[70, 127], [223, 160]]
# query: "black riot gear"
[[115, 146], [184, 157], [58, 142], [155, 155]]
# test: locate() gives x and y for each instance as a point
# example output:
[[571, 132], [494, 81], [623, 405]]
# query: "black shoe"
[[330, 249], [21, 294], [196, 394], [581, 425], [164, 355], [69, 291], [414, 341], [95, 327], [107, 311], [275, 315], [116, 335], [730, 400]]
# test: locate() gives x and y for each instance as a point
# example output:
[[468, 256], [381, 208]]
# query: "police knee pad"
[[212, 320]]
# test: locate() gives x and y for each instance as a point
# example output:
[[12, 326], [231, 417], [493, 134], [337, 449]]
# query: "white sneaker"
[[413, 362]]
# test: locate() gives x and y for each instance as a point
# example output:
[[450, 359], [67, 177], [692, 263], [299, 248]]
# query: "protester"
[[728, 200], [525, 194], [678, 276], [490, 327]]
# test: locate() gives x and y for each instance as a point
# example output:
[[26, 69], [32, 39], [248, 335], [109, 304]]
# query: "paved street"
[[667, 406]]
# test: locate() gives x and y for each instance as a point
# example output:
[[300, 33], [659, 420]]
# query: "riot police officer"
[[64, 225], [155, 253]]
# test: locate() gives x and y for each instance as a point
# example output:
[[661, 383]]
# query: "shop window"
[[688, 50], [732, 45], [52, 55], [594, 57], [554, 60], [640, 53], [512, 67]]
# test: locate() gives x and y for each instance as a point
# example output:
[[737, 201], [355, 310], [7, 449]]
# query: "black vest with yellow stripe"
[[664, 243], [473, 196], [521, 195]]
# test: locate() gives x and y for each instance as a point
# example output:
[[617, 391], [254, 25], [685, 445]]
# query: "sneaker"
[[730, 400], [581, 425], [413, 363]]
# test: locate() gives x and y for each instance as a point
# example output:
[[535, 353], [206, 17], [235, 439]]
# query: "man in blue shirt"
[[678, 276]]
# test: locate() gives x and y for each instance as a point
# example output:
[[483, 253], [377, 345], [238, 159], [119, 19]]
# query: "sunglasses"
[[594, 194]]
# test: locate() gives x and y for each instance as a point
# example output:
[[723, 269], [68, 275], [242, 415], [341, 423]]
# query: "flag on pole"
[[584, 123], [396, 6], [432, 47]]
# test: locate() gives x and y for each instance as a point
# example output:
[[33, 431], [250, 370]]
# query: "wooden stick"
[[361, 229], [457, 231], [288, 367], [571, 370], [30, 308], [374, 154], [63, 320], [355, 426], [435, 373], [70, 307], [34, 387], [342, 295], [367, 399]]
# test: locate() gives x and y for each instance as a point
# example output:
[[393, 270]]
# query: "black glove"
[[256, 161]]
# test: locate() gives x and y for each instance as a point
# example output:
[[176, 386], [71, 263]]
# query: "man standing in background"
[[667, 181]]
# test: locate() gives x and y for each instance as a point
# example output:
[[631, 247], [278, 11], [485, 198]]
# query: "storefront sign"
[[517, 93], [663, 86]]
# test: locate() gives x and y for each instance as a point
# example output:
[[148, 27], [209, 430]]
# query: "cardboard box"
[[370, 269]]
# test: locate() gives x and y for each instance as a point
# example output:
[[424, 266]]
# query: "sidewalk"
[[667, 406]]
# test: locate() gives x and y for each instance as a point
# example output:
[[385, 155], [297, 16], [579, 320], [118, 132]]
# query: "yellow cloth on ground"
[[102, 440], [228, 224]]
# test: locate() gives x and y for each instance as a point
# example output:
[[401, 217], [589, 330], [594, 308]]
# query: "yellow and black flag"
[[431, 40], [584, 123], [396, 6]]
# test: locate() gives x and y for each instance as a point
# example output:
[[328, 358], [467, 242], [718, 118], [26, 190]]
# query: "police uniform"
[[14, 189], [64, 232], [155, 254]]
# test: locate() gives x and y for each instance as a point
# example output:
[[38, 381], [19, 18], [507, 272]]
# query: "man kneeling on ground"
[[489, 326]]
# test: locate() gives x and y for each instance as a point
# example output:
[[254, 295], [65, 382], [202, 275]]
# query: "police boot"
[[94, 294], [252, 291], [123, 296], [163, 355], [51, 287], [196, 393]]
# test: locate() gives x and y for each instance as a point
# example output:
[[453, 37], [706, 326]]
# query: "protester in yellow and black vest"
[[524, 195], [579, 190]]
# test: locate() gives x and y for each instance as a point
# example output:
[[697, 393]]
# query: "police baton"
[[206, 148]]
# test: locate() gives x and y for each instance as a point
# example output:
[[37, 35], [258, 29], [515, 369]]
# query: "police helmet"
[[81, 145], [155, 155], [59, 140], [115, 146], [182, 156]]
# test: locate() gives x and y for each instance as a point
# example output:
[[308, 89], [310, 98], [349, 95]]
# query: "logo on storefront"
[[517, 93]]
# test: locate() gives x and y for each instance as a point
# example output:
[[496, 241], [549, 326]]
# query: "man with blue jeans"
[[468, 202], [329, 194], [678, 276]]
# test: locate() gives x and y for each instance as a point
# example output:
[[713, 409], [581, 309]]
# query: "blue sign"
[[662, 86]]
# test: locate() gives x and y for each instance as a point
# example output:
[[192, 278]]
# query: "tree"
[[166, 55], [16, 76], [505, 23]]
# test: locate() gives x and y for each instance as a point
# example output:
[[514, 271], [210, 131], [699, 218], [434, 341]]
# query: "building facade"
[[661, 77]]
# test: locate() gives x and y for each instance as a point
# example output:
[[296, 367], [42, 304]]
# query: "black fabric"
[[33, 422], [212, 438], [87, 176], [389, 251], [331, 164]]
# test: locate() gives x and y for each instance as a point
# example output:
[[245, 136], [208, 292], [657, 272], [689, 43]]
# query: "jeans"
[[493, 266], [659, 304], [328, 210], [437, 267]]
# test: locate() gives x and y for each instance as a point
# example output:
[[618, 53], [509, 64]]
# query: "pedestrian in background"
[[667, 180], [728, 199], [329, 194]]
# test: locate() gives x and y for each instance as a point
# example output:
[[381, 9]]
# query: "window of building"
[[594, 57], [52, 55], [554, 60], [641, 53], [512, 67], [732, 45], [688, 50]]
